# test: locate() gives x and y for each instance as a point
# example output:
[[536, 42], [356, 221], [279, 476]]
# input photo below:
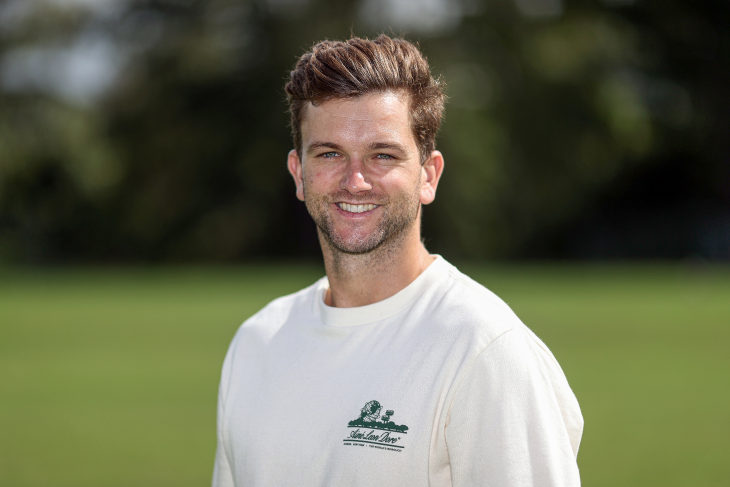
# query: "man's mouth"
[[356, 208]]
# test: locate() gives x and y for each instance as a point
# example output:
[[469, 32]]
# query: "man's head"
[[364, 125], [332, 70]]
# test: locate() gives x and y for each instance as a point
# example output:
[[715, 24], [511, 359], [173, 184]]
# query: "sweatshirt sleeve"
[[514, 420], [222, 473]]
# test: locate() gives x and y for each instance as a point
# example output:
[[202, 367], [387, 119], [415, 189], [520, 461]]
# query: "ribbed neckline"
[[371, 313]]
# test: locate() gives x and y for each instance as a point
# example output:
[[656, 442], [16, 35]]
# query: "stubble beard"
[[399, 215]]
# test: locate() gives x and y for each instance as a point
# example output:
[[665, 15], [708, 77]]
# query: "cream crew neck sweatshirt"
[[438, 385]]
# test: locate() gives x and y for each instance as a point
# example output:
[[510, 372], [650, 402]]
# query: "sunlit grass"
[[109, 376]]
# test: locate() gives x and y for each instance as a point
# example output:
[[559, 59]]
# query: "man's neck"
[[362, 279]]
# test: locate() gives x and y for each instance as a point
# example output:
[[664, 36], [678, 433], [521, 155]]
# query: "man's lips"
[[359, 208]]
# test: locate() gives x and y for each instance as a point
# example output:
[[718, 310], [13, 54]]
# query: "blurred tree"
[[566, 105], [155, 130]]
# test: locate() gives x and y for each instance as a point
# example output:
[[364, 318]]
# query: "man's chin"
[[355, 248], [353, 244]]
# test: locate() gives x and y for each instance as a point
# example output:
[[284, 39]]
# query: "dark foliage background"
[[147, 131]]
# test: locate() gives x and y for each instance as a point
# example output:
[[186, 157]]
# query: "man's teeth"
[[356, 208]]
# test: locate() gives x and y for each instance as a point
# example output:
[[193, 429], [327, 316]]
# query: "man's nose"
[[354, 180]]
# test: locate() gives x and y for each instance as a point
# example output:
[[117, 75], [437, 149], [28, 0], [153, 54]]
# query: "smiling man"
[[395, 369]]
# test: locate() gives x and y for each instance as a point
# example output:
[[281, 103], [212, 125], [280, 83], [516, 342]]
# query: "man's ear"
[[431, 173], [295, 169]]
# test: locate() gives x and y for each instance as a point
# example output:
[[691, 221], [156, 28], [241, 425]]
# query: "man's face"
[[359, 173]]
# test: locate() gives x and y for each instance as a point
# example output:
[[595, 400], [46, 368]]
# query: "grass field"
[[108, 377]]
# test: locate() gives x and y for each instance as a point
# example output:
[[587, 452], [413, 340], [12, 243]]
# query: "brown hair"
[[334, 69]]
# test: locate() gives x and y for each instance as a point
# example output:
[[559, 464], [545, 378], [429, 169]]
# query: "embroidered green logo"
[[371, 420]]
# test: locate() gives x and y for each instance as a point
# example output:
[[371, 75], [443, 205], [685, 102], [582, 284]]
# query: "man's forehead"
[[384, 101], [373, 114]]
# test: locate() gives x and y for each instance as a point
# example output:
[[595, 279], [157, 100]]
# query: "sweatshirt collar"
[[371, 313]]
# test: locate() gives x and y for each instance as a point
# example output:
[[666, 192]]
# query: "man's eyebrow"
[[388, 145], [374, 146], [322, 145]]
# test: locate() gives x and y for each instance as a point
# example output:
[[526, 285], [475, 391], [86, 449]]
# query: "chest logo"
[[375, 431]]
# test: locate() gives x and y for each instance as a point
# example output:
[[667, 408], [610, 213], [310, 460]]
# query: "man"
[[395, 369]]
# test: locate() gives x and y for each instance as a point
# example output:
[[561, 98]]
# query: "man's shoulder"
[[275, 313], [471, 308], [485, 320]]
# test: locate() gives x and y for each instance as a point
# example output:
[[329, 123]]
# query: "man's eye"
[[329, 155], [384, 156]]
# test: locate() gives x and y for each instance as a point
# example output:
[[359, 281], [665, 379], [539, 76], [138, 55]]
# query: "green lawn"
[[108, 377]]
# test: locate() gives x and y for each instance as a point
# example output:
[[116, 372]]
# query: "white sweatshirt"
[[438, 385]]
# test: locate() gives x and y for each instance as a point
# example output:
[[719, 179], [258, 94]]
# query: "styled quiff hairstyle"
[[351, 69]]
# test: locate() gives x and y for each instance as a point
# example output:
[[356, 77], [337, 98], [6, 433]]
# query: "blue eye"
[[330, 154], [384, 156]]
